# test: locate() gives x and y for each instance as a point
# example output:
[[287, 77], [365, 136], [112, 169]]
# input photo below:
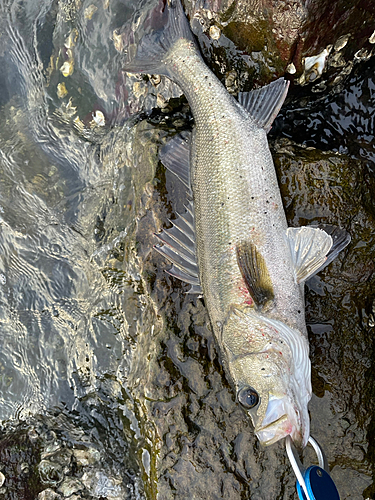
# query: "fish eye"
[[248, 397]]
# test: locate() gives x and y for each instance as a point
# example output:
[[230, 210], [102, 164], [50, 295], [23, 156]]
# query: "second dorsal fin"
[[175, 156]]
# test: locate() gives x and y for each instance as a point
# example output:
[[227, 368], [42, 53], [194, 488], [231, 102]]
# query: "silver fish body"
[[237, 198], [251, 265]]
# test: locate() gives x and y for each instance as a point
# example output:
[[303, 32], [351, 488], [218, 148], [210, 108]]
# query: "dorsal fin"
[[175, 156], [309, 247], [179, 241], [255, 273], [264, 104], [179, 248]]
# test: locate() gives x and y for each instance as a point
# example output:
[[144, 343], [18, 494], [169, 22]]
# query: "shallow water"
[[340, 121], [109, 364]]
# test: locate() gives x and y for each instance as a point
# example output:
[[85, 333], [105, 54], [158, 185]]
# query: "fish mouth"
[[280, 428], [281, 420]]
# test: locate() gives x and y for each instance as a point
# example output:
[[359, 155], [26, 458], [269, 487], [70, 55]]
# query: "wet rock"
[[16, 449], [49, 494], [335, 189], [62, 462], [273, 38], [70, 486]]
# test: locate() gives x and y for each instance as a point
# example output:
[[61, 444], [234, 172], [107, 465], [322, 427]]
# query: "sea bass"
[[233, 244]]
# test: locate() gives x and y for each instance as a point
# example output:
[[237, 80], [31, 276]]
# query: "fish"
[[233, 244]]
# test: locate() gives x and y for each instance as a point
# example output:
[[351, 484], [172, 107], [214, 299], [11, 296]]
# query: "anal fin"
[[340, 239], [264, 104]]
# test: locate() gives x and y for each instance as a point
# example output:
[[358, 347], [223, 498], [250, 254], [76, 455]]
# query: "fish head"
[[273, 402], [270, 367]]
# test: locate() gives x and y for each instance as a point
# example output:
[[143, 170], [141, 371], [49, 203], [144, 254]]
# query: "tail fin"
[[162, 27]]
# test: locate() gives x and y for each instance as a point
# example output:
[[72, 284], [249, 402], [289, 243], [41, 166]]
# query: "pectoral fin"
[[255, 273]]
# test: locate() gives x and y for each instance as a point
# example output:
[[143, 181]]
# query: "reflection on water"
[[342, 120], [110, 366], [70, 306]]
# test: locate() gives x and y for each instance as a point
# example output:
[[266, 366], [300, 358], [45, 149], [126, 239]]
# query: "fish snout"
[[283, 419]]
